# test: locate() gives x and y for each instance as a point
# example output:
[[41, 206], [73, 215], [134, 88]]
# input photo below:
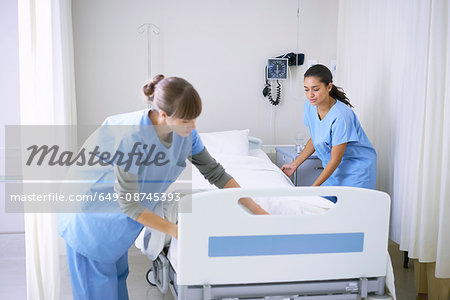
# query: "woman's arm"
[[210, 168], [127, 183], [247, 202], [150, 219], [290, 168], [337, 152]]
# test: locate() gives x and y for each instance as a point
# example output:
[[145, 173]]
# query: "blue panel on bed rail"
[[220, 246]]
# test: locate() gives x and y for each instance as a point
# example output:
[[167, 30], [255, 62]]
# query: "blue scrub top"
[[358, 167], [101, 231]]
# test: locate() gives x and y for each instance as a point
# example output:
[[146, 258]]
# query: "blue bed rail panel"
[[225, 246]]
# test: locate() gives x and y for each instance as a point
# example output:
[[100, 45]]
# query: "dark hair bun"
[[149, 88]]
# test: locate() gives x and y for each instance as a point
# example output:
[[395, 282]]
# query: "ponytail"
[[339, 94], [149, 88]]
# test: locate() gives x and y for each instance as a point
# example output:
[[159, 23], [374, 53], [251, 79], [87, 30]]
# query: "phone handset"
[[267, 92]]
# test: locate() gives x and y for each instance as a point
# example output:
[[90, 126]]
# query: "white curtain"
[[394, 64], [47, 97]]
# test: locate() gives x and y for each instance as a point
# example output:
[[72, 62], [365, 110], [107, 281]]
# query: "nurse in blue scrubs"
[[337, 137], [147, 152]]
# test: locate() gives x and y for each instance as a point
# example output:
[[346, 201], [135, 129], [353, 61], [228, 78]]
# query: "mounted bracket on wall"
[[294, 59], [149, 28]]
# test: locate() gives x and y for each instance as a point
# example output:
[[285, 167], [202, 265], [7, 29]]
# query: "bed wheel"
[[158, 275], [150, 278]]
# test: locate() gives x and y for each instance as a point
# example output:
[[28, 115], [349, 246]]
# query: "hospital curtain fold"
[[47, 97], [443, 249], [393, 62]]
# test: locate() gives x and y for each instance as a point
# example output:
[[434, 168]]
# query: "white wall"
[[9, 100], [221, 47]]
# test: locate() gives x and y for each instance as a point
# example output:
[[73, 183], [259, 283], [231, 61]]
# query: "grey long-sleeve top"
[[128, 183]]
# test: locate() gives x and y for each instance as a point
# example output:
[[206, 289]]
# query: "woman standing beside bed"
[[97, 242], [337, 137]]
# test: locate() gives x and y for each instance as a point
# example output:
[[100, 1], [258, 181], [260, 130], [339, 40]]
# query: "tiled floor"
[[138, 288], [13, 286], [12, 267], [13, 282]]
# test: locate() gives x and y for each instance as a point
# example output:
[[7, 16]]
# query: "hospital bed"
[[308, 248]]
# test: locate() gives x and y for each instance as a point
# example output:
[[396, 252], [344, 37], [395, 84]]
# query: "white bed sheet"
[[255, 170], [258, 153]]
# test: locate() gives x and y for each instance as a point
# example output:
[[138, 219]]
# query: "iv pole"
[[149, 28]]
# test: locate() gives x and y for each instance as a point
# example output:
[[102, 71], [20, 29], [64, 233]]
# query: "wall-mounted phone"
[[277, 69]]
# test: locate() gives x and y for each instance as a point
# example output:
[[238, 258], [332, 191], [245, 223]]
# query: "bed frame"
[[224, 252]]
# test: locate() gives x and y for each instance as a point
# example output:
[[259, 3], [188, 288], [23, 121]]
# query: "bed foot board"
[[320, 290]]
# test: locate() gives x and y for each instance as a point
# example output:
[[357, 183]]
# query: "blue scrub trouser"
[[92, 280]]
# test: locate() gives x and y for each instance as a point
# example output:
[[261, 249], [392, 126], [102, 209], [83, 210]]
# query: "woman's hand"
[[253, 206], [150, 219], [289, 169], [174, 230], [246, 201]]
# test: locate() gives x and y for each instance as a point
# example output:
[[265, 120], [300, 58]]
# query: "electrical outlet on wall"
[[333, 66]]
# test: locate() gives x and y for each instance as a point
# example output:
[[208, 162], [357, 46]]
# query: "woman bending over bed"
[[337, 137], [97, 243]]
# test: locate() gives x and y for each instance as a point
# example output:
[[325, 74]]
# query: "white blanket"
[[249, 171]]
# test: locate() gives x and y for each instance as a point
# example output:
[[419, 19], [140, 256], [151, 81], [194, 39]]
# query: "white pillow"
[[233, 142]]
